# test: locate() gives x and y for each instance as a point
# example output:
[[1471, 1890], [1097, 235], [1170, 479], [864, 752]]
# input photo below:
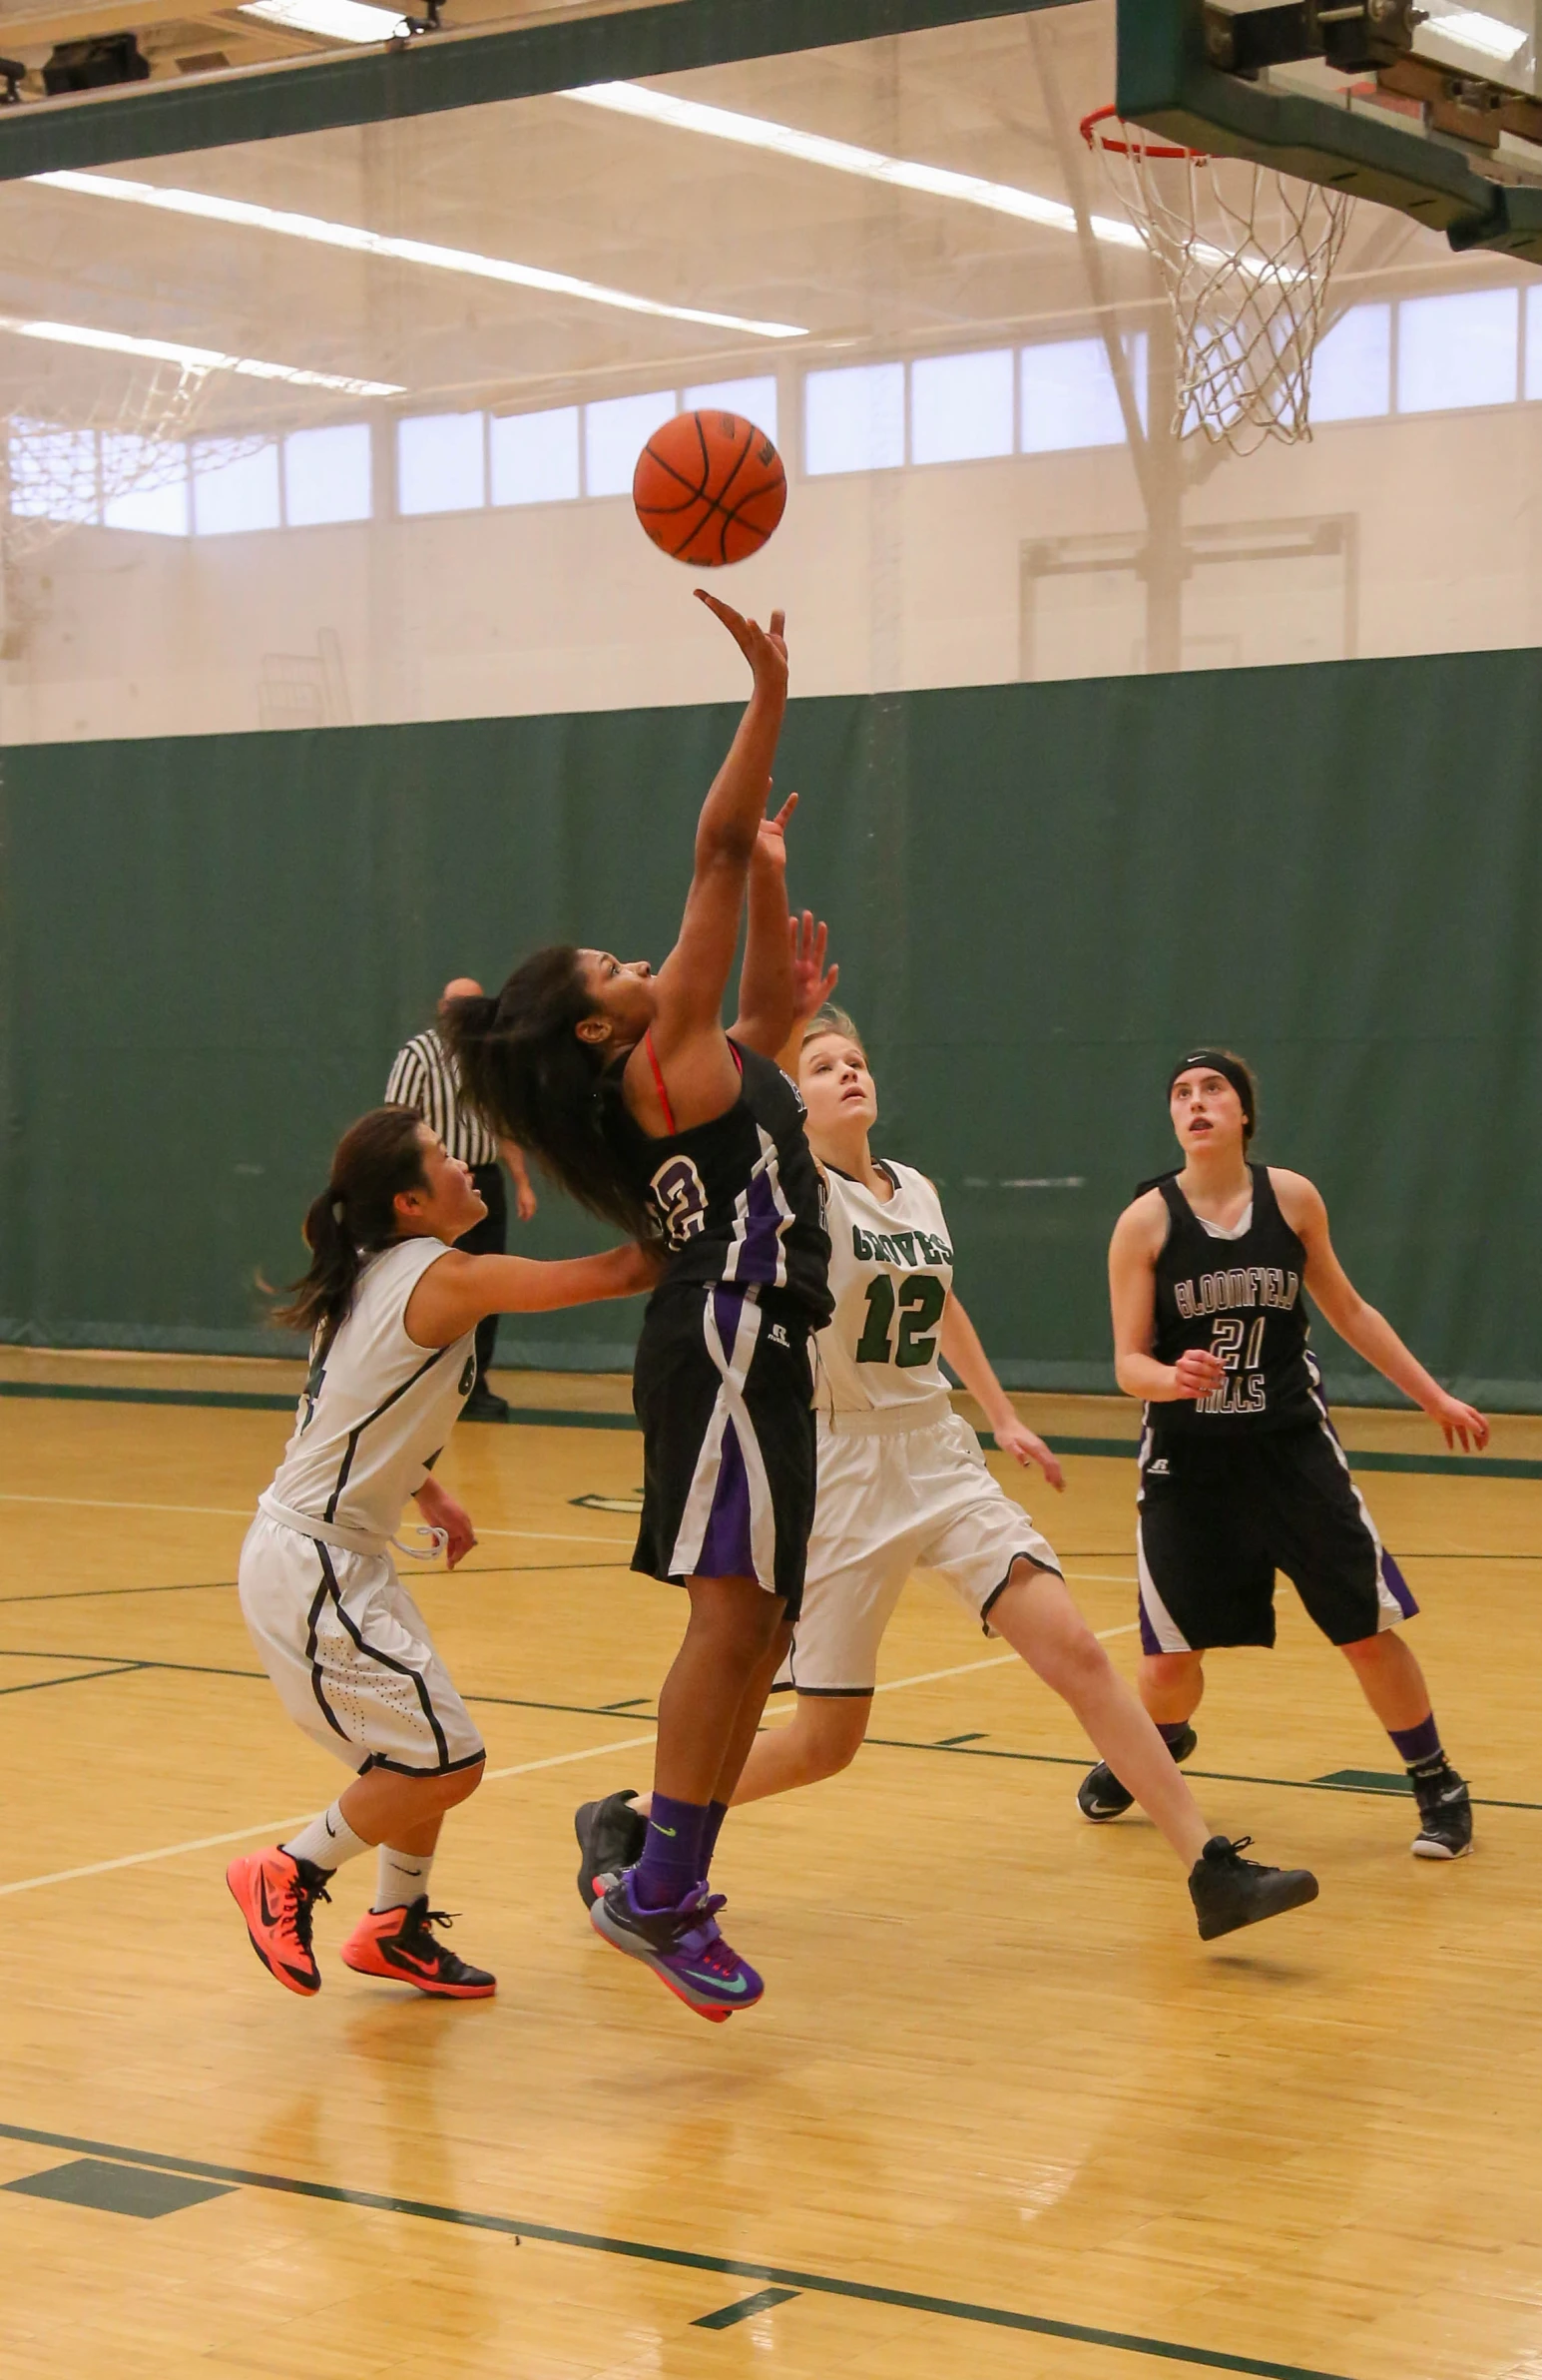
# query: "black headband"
[[1219, 1062]]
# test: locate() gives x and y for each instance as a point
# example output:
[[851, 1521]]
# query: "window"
[[53, 472], [1458, 351], [326, 474], [440, 464], [614, 432], [961, 407], [1351, 373], [854, 418], [534, 456], [151, 477], [233, 490], [1070, 397], [753, 400], [1533, 388]]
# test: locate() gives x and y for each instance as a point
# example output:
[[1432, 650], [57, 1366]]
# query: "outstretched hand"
[[765, 649], [771, 844], [813, 981]]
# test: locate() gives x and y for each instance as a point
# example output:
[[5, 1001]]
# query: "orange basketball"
[[709, 489]]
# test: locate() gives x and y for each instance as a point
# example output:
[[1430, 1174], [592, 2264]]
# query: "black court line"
[[642, 2251], [80, 1677], [746, 2308], [962, 1750], [967, 1747], [546, 1417], [201, 1587], [264, 1401]]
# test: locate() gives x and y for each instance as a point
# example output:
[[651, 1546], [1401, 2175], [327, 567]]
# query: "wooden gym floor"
[[1000, 2113]]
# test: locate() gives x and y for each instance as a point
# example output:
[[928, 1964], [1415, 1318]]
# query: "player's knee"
[[457, 1784], [835, 1739], [1075, 1664]]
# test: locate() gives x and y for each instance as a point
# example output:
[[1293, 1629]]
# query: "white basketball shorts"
[[350, 1655], [891, 1502]]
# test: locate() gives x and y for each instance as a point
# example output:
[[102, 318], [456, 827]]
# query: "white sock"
[[328, 1841], [403, 1877]]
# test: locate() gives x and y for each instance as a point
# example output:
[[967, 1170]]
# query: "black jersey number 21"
[[920, 1305]]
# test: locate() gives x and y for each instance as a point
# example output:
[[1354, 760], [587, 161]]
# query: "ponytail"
[[354, 1217], [532, 1080]]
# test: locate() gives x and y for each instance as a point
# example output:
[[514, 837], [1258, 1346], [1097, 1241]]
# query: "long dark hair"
[[526, 1072], [355, 1216]]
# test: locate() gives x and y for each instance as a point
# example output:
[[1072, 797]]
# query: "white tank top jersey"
[[891, 1267], [375, 1410]]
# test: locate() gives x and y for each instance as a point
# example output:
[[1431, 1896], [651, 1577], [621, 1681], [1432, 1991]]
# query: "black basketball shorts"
[[1216, 1521], [724, 1389]]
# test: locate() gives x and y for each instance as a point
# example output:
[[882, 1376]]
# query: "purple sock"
[[670, 1864], [1416, 1746], [716, 1814]]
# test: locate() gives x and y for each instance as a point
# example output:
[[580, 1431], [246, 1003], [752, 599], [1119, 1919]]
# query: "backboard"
[[1435, 109]]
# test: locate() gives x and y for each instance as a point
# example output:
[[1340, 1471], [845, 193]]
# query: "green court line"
[[546, 1417], [820, 2284]]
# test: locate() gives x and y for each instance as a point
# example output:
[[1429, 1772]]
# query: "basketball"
[[709, 489]]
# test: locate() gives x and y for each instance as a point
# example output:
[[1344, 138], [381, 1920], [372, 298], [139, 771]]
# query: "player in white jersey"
[[902, 1484], [394, 1308]]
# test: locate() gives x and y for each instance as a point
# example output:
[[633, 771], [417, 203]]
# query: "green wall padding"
[[1039, 893]]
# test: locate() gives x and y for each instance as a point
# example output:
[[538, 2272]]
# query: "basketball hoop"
[[1245, 256]]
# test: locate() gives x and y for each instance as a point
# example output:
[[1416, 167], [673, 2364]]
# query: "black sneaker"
[[483, 1405], [610, 1835], [1228, 1891], [1446, 1814], [1100, 1794]]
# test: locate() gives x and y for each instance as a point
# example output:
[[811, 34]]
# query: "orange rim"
[[1164, 152]]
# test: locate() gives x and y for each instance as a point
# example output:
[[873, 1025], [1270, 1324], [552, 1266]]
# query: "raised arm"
[[1132, 1281], [688, 1035], [766, 991], [455, 1293], [963, 1348], [1367, 1330]]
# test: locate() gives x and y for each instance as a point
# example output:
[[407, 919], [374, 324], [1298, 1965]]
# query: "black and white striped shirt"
[[424, 1077]]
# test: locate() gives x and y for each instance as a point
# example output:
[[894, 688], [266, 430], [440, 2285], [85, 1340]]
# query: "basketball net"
[[1245, 256], [71, 444]]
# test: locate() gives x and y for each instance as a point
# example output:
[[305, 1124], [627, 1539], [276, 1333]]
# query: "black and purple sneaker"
[[610, 1835], [682, 1946], [1229, 1891]]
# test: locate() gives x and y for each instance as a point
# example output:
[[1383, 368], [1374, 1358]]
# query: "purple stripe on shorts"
[[728, 1303], [1149, 1643], [760, 1256], [725, 1550], [1401, 1592]]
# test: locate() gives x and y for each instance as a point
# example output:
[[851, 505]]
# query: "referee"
[[424, 1077]]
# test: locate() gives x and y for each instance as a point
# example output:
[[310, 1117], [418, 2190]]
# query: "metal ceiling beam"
[[445, 71]]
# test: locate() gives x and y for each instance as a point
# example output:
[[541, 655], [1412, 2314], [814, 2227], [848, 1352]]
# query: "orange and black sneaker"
[[276, 1894], [397, 1943]]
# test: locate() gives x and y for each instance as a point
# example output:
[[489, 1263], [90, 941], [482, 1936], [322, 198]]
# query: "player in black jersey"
[[626, 1088], [1242, 1472]]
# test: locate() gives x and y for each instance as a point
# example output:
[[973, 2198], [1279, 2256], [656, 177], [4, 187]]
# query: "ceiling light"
[[407, 251], [205, 360], [1488, 35], [334, 20], [841, 157]]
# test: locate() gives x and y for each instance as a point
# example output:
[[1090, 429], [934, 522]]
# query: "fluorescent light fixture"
[[334, 20], [202, 359], [1470, 29], [210, 209], [841, 157]]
